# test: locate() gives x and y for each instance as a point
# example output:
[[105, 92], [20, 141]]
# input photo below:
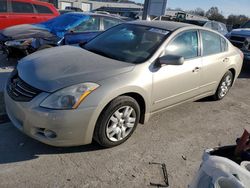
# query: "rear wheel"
[[117, 122], [224, 86]]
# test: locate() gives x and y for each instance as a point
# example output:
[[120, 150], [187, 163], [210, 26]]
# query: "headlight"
[[70, 97], [20, 42]]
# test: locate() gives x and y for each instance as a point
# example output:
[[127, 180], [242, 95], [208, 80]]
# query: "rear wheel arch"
[[233, 71]]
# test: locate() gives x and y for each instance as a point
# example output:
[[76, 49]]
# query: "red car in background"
[[15, 12]]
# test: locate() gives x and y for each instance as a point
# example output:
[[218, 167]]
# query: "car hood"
[[241, 31], [59, 67], [26, 31]]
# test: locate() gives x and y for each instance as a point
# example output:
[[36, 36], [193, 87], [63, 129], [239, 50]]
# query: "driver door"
[[173, 84]]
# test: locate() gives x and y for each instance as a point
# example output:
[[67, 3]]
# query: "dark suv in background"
[[241, 39], [15, 12]]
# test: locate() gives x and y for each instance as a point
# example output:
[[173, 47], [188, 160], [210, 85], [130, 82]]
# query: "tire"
[[44, 47], [117, 121], [224, 86]]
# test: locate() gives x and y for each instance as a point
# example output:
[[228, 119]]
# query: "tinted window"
[[107, 23], [185, 45], [19, 7], [128, 42], [42, 9], [92, 24], [213, 43], [246, 25], [3, 6]]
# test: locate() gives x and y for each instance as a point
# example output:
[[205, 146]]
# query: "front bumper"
[[70, 126]]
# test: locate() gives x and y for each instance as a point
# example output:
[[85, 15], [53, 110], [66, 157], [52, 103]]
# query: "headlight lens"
[[20, 42], [70, 97]]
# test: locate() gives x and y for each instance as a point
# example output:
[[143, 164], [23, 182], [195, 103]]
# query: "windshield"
[[246, 25], [128, 42]]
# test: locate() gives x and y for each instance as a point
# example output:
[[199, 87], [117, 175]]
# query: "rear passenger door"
[[215, 59], [22, 13]]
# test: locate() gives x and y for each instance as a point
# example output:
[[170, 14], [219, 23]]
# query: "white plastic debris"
[[221, 172]]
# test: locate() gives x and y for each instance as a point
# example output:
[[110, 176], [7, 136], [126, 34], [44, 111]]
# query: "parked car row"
[[241, 39], [102, 89], [70, 28]]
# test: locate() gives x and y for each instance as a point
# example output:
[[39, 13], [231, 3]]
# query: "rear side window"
[[213, 43], [3, 6], [224, 45], [43, 9], [20, 7]]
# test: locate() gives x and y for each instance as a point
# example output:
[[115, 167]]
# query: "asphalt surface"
[[176, 137]]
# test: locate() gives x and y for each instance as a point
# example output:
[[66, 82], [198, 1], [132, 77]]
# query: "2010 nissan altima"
[[69, 95]]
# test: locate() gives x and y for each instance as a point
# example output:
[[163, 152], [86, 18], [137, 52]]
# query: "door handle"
[[3, 16], [196, 69], [226, 60], [34, 17]]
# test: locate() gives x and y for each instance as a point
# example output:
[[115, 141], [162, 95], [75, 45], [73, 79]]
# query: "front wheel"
[[117, 122], [224, 86]]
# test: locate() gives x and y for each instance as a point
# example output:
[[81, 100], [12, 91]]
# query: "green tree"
[[214, 14]]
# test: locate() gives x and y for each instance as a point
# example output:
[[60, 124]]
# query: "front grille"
[[20, 91], [237, 38]]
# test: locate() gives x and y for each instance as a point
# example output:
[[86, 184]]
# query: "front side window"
[[128, 42], [3, 6], [185, 45], [107, 23], [212, 43], [20, 7], [92, 24], [43, 9]]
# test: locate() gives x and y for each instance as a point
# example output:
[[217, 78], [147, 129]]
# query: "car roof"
[[166, 25]]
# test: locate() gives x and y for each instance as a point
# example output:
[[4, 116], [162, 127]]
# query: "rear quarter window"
[[21, 7], [42, 9], [213, 43], [3, 6]]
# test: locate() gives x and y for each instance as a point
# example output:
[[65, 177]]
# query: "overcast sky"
[[226, 6]]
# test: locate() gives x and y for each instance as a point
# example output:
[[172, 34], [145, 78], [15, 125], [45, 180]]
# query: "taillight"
[[241, 53]]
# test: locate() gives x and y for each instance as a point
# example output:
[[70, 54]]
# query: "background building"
[[88, 5]]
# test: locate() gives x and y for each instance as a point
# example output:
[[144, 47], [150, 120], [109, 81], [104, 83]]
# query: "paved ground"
[[183, 131]]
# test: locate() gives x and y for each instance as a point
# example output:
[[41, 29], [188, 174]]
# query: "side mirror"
[[171, 60]]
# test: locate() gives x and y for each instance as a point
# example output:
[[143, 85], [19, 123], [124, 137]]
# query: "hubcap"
[[121, 123], [225, 86]]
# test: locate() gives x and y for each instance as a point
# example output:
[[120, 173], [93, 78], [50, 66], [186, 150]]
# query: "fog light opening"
[[49, 133]]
